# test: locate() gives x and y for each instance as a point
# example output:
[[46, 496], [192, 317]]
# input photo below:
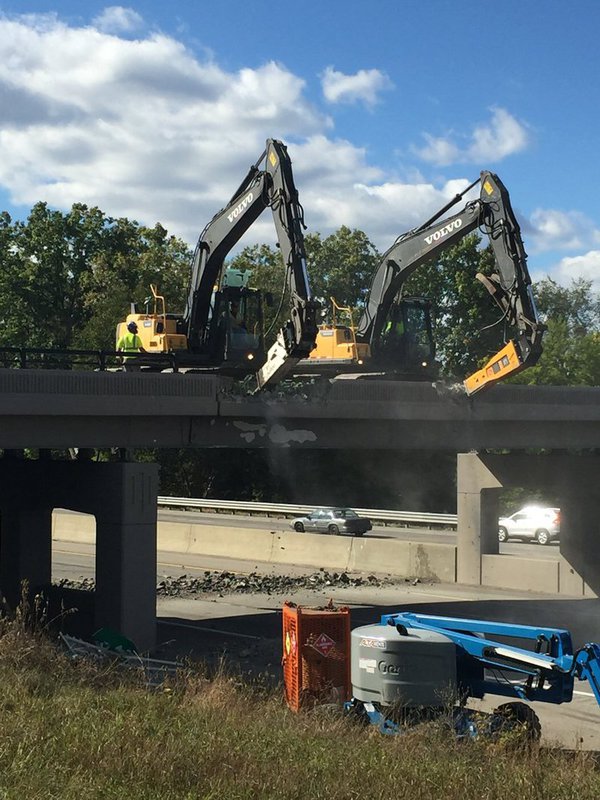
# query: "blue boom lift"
[[411, 667]]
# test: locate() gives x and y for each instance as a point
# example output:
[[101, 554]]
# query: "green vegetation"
[[75, 729], [67, 279]]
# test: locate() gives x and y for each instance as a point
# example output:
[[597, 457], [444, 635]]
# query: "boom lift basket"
[[316, 655]]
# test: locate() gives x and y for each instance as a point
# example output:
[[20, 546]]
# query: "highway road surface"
[[246, 628]]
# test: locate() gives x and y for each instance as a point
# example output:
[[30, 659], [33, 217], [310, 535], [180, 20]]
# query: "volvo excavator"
[[221, 328], [394, 333]]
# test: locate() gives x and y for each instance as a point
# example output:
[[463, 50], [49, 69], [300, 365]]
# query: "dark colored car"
[[333, 521]]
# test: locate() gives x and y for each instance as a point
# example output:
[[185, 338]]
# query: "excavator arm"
[[216, 240], [510, 286], [269, 183], [297, 336]]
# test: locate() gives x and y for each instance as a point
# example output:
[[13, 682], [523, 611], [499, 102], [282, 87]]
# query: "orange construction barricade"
[[316, 655]]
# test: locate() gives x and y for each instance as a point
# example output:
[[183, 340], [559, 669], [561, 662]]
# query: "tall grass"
[[78, 730]]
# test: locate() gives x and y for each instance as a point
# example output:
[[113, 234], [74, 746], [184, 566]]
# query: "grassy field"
[[78, 730]]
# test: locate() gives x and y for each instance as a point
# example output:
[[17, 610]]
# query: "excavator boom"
[[270, 186]]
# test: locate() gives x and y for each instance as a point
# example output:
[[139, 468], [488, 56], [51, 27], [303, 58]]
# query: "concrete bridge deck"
[[57, 409]]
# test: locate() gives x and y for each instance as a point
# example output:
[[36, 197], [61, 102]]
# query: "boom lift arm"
[[270, 186], [510, 287]]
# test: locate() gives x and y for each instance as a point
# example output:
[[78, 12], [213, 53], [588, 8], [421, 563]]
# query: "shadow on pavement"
[[252, 643]]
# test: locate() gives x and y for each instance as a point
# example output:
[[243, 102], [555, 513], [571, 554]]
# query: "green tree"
[[68, 278], [134, 258], [339, 266], [576, 304], [41, 283], [12, 306], [342, 266], [571, 345]]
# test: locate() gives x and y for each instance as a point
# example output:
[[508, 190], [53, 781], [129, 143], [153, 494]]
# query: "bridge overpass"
[[60, 409], [47, 410]]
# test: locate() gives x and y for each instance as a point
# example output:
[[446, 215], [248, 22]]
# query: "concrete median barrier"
[[435, 562], [510, 572], [72, 527], [221, 541], [427, 561], [313, 550], [552, 576]]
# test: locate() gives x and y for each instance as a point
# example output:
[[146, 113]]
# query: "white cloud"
[[502, 136], [145, 129], [118, 19], [585, 266], [550, 229], [140, 128], [363, 86]]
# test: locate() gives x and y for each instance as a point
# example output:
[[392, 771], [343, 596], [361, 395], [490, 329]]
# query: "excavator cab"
[[236, 323], [406, 345]]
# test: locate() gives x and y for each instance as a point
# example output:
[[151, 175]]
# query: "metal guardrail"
[[96, 360], [387, 517]]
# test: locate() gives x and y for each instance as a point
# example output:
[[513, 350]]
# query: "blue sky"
[[155, 111]]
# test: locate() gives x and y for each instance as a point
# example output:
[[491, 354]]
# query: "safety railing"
[[376, 515], [100, 360]]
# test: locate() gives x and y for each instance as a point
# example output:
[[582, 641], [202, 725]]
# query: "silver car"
[[533, 523], [333, 521]]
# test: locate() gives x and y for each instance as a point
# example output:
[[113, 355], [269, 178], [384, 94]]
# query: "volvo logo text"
[[439, 234], [241, 207]]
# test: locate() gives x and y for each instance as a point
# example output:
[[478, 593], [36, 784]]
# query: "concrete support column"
[[122, 497], [25, 548], [478, 490], [126, 553], [580, 529]]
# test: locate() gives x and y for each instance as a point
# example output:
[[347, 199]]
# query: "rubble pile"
[[230, 582]]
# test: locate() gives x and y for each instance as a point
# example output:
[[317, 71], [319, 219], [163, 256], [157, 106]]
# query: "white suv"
[[531, 522]]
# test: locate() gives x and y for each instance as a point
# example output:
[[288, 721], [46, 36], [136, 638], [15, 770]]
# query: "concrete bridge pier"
[[25, 546], [122, 497], [478, 491], [574, 479]]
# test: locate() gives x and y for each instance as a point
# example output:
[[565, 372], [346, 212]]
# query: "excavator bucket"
[[505, 362]]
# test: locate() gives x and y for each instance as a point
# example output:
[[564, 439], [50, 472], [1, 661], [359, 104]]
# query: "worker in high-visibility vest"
[[394, 328], [130, 342]]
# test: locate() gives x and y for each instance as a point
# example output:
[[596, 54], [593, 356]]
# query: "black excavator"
[[221, 328], [394, 335]]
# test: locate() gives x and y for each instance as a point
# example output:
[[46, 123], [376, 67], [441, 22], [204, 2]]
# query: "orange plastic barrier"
[[316, 655]]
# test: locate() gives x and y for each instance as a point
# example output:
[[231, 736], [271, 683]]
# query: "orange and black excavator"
[[394, 333]]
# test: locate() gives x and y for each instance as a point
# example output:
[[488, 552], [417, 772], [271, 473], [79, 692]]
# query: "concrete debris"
[[235, 583], [230, 582]]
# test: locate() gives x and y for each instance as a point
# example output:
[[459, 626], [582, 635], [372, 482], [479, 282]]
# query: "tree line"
[[68, 278]]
